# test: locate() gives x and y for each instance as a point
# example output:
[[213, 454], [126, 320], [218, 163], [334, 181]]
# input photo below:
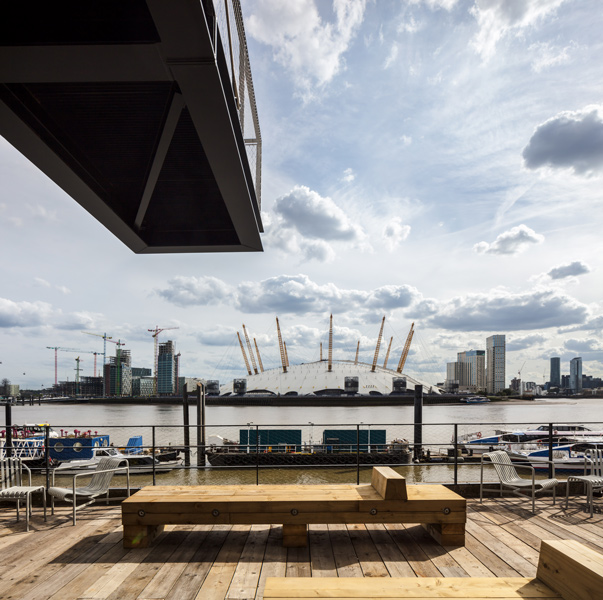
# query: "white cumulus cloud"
[[395, 232], [514, 241], [569, 270], [497, 18], [570, 140], [312, 49]]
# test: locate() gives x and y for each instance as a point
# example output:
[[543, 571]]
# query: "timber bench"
[[386, 500], [567, 570]]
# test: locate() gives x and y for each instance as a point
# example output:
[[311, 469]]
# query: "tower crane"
[[155, 334], [105, 338], [77, 375], [57, 348]]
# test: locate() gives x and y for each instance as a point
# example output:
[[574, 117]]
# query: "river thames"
[[123, 421]]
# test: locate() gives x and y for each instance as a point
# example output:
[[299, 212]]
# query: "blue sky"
[[435, 161]]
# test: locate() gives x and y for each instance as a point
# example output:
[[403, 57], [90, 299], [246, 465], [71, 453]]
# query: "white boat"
[[139, 463], [475, 400], [567, 458]]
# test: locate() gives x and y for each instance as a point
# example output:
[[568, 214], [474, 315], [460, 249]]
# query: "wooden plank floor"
[[58, 561]]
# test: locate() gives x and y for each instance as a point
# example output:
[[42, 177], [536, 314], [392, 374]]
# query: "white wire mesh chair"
[[594, 462], [12, 488], [509, 478], [99, 484]]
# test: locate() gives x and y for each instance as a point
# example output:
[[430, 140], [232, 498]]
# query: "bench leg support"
[[295, 536], [140, 536], [447, 534]]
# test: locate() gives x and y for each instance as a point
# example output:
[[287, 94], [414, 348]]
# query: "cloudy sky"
[[435, 161]]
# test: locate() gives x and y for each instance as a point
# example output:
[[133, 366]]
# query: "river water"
[[126, 420]]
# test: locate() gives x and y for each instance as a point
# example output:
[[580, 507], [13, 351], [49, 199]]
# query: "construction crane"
[[77, 375], [155, 336], [404, 356], [105, 338], [376, 357], [55, 348]]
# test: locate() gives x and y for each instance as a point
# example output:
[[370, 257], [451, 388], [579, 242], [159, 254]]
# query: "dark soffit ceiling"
[[127, 106]]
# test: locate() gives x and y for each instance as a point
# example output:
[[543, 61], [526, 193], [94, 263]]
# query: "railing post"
[[418, 446], [257, 455], [47, 455], [550, 450], [9, 429], [200, 425], [187, 433], [357, 454], [456, 454], [153, 452]]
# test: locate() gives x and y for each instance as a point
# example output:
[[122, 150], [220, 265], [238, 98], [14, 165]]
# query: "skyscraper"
[[555, 379], [166, 369], [477, 360], [495, 359], [576, 374]]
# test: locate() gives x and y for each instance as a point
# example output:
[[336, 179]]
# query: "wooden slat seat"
[[567, 570], [386, 500]]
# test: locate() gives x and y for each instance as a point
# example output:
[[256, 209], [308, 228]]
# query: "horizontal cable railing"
[[309, 452]]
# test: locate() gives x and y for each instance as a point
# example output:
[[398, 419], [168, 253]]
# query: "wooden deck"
[[59, 561]]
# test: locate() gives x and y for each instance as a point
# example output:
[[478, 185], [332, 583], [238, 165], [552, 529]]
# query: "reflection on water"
[[124, 421]]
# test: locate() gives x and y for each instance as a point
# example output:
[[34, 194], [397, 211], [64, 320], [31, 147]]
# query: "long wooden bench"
[[567, 570], [386, 500]]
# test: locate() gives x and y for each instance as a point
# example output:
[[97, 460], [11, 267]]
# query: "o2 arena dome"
[[323, 377]]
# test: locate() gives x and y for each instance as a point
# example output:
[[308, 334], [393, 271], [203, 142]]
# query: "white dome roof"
[[310, 378]]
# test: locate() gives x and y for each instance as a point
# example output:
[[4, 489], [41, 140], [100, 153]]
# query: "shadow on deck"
[[59, 561]]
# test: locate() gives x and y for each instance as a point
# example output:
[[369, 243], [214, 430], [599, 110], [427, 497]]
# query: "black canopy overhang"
[[127, 108]]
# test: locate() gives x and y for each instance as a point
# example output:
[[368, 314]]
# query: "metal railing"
[[442, 453]]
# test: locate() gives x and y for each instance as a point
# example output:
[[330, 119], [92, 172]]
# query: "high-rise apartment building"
[[477, 361], [555, 379], [458, 377], [166, 369], [576, 374], [495, 363]]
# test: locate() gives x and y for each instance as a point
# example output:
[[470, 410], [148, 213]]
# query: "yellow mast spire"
[[244, 355], [255, 369], [259, 357], [378, 346], [391, 339], [406, 349], [280, 345], [330, 368]]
